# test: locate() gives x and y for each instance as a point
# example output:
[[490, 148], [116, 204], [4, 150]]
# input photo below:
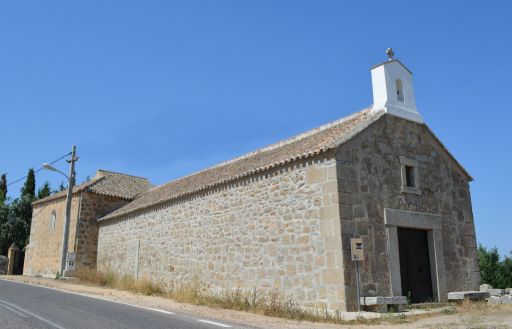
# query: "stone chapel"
[[282, 217]]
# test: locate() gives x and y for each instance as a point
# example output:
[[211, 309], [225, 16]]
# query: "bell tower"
[[393, 90]]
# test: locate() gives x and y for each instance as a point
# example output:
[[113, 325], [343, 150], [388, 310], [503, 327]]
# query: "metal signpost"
[[357, 252]]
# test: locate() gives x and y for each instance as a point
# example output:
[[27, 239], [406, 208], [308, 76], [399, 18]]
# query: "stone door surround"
[[394, 218]]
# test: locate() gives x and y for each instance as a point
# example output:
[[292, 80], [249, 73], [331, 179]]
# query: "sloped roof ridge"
[[179, 187], [270, 147], [290, 140], [120, 173], [96, 185], [76, 189]]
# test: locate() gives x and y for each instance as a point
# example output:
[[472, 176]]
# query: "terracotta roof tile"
[[304, 145], [108, 183]]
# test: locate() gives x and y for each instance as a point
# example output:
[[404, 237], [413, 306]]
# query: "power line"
[[38, 170]]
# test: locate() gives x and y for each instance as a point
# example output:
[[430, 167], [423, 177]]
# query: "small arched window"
[[399, 90], [53, 219]]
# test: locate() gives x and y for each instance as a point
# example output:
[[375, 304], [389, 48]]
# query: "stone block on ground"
[[381, 304], [496, 292], [507, 299], [471, 295], [485, 287], [508, 291], [494, 300]]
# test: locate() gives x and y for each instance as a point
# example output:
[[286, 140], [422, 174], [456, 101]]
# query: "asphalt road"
[[25, 306]]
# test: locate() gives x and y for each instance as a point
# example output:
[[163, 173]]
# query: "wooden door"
[[415, 265]]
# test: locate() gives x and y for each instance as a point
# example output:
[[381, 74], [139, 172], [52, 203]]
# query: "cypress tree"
[[3, 188], [29, 188], [44, 191]]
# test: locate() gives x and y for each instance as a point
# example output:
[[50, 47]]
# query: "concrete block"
[[380, 300], [383, 304], [496, 292], [494, 300], [485, 287], [508, 291], [507, 299], [471, 295]]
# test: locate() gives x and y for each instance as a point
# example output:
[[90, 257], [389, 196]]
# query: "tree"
[[3, 188], [4, 219], [16, 216], [29, 188], [44, 191], [493, 270]]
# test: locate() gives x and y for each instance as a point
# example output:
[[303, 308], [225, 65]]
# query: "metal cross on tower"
[[390, 53]]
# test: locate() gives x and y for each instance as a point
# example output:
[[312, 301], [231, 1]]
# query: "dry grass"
[[474, 315], [125, 282], [270, 304]]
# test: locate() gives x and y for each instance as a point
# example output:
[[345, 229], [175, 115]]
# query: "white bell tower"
[[393, 90]]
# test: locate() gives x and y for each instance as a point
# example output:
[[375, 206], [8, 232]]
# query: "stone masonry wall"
[[42, 256], [369, 180], [278, 230], [92, 207]]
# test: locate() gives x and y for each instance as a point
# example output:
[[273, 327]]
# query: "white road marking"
[[215, 323], [21, 309], [23, 315], [95, 297]]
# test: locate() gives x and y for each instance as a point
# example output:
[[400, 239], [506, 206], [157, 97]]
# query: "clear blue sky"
[[164, 88]]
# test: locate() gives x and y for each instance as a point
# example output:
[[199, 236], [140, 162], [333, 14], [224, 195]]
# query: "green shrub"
[[493, 270]]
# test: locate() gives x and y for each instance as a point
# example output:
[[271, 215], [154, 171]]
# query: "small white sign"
[[70, 261]]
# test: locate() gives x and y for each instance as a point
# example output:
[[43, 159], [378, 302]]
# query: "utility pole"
[[69, 199]]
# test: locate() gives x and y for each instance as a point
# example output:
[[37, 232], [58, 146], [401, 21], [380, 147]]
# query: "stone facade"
[[92, 207], [104, 193], [289, 228], [277, 230], [42, 255], [369, 181]]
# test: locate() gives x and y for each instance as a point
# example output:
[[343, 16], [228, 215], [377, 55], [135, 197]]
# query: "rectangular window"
[[410, 178]]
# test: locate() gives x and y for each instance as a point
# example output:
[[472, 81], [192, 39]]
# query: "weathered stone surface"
[[472, 295], [290, 228], [248, 235], [369, 180], [3, 265], [506, 299], [496, 292], [494, 300], [379, 300], [508, 291], [485, 287], [42, 255]]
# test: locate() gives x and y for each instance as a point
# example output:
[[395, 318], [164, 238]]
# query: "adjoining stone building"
[[282, 217], [101, 195]]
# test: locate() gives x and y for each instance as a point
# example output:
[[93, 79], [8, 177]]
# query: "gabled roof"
[[305, 145], [108, 183]]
